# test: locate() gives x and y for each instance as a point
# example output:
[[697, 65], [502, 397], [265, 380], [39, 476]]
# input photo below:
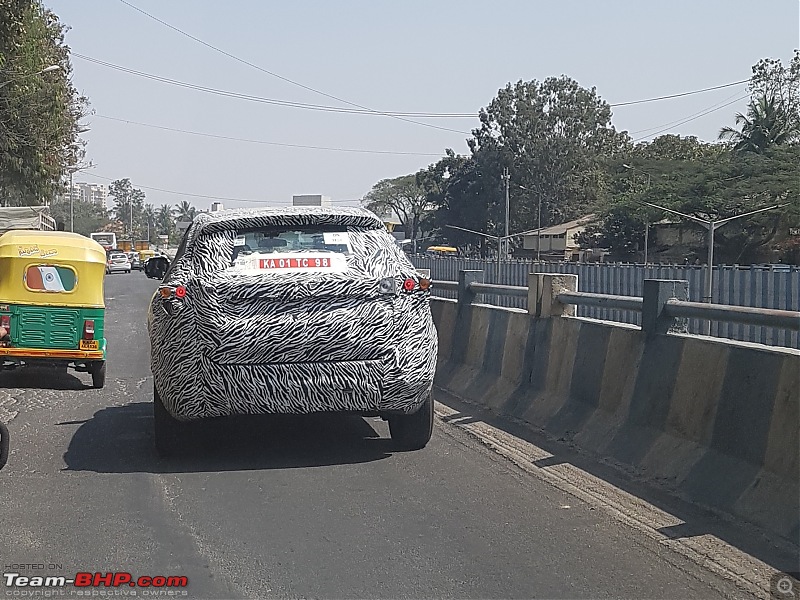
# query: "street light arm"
[[703, 222], [494, 237], [747, 214]]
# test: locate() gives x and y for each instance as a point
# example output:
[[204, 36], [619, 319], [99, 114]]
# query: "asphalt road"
[[297, 507]]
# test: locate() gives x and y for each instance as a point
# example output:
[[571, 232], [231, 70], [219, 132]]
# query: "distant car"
[[118, 262], [292, 310], [133, 257]]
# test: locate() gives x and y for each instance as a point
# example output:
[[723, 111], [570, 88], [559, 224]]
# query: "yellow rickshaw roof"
[[42, 244]]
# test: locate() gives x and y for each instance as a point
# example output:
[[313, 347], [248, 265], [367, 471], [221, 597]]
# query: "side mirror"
[[156, 267]]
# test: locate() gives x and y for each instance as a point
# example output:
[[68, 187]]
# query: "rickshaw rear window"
[[50, 278]]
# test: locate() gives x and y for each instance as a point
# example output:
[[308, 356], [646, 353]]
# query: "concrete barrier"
[[715, 420]]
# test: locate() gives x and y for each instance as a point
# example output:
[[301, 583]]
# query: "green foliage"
[[403, 197], [773, 115], [39, 111], [88, 217]]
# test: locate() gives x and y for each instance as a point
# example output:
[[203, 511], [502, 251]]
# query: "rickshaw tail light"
[[409, 284], [165, 292], [180, 292], [88, 329], [424, 283], [5, 322]]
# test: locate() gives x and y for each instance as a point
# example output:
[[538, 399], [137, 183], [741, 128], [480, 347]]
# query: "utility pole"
[[71, 196], [507, 178], [647, 218]]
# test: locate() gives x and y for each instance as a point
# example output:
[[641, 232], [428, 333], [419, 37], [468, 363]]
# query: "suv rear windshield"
[[276, 240]]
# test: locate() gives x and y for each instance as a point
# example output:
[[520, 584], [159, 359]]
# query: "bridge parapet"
[[717, 421]]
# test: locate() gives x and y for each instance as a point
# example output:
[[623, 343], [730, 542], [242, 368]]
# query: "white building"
[[311, 200], [97, 193]]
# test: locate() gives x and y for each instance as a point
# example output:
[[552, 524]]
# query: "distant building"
[[558, 241], [216, 206], [311, 200], [96, 193]]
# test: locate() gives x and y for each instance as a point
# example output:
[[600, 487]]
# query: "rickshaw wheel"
[[99, 374]]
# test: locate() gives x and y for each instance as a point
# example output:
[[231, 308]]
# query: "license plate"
[[90, 345]]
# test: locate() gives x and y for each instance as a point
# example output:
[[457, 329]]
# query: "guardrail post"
[[465, 294], [543, 291], [656, 293]]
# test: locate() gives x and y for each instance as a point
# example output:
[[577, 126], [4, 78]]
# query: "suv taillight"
[[88, 329]]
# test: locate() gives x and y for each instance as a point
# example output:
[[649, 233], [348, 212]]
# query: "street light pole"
[[647, 218], [71, 198], [507, 178], [712, 226]]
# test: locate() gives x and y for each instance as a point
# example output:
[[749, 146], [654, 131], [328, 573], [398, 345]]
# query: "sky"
[[412, 56]]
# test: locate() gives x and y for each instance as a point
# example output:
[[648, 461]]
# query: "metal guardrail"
[[784, 319], [502, 290], [451, 286], [602, 300], [674, 308]]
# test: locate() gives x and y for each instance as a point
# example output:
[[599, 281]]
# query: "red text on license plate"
[[294, 263]]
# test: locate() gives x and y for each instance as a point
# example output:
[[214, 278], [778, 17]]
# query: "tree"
[[552, 136], [765, 125], [401, 196], [88, 216], [128, 203], [773, 114], [185, 211], [39, 111]]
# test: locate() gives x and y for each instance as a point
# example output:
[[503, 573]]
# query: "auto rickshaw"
[[144, 256], [52, 310]]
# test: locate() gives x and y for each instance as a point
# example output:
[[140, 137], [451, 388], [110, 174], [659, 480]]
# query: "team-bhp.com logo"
[[156, 584]]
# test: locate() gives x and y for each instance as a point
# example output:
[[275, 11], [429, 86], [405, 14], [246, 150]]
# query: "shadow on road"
[[696, 521], [120, 440], [41, 378]]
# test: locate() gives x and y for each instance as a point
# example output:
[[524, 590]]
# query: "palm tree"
[[164, 219], [185, 211], [765, 125]]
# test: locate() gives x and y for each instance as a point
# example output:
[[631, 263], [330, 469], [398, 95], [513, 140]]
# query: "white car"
[[118, 262]]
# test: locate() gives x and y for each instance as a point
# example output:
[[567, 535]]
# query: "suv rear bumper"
[[361, 387]]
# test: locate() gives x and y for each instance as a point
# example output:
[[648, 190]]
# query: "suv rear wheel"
[[168, 431], [413, 432]]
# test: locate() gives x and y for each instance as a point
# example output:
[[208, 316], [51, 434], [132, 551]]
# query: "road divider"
[[714, 420]]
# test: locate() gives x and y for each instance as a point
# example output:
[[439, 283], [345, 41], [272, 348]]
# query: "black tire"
[[4, 445], [169, 433], [413, 432], [98, 374]]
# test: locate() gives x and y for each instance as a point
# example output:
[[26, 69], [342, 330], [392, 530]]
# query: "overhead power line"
[[286, 79], [699, 113], [716, 87], [288, 103], [395, 115], [265, 142], [693, 118]]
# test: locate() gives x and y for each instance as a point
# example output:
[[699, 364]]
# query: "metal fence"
[[752, 286]]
